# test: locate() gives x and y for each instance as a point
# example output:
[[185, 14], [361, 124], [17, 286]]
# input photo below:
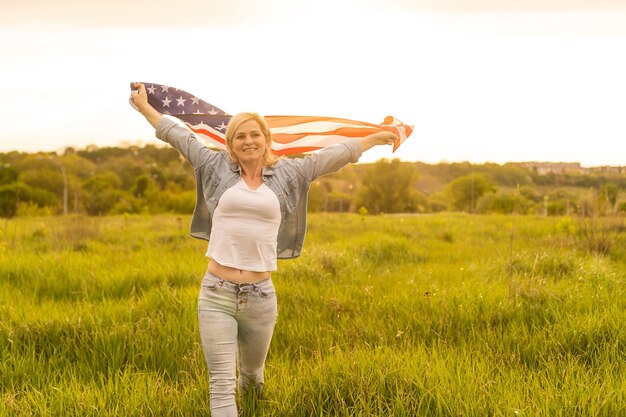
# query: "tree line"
[[153, 179]]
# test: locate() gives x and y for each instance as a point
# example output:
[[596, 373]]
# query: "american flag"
[[290, 134]]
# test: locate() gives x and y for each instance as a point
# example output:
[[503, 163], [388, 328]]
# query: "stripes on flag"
[[290, 134]]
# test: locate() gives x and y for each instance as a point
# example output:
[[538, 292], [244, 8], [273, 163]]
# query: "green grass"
[[434, 315]]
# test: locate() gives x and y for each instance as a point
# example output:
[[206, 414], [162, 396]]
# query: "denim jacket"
[[289, 178]]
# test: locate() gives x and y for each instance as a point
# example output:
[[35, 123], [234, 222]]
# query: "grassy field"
[[435, 315]]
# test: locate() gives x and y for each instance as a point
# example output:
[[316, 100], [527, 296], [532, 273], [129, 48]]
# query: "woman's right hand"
[[140, 98]]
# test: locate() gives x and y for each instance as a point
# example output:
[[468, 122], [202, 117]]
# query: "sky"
[[480, 80]]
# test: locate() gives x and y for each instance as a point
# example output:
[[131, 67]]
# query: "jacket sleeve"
[[330, 159], [180, 137]]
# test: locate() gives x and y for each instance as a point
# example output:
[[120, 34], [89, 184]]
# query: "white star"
[[197, 112], [194, 100], [221, 127], [213, 112], [181, 101], [164, 88], [151, 89], [166, 102]]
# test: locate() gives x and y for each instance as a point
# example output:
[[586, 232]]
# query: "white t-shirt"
[[245, 228]]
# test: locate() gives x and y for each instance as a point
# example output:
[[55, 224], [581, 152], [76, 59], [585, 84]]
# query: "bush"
[[503, 203], [15, 194]]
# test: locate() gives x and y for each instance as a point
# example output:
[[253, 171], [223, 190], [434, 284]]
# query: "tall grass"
[[437, 315]]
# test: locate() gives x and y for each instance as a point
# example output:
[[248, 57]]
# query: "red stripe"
[[284, 121], [348, 132], [293, 151], [209, 134]]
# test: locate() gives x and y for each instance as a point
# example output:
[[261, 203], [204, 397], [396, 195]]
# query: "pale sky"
[[481, 80]]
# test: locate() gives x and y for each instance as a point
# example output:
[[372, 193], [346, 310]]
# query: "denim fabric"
[[289, 178], [236, 326]]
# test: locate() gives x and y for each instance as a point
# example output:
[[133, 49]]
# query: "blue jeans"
[[236, 326]]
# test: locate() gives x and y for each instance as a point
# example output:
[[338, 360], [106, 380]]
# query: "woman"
[[251, 207]]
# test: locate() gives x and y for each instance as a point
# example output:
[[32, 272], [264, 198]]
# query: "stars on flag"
[[207, 120], [183, 103]]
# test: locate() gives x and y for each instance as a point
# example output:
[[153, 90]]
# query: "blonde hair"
[[268, 157]]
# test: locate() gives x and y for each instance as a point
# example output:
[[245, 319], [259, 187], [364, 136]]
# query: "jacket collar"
[[267, 170]]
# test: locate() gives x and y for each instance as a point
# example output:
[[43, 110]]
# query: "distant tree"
[[126, 167], [317, 197], [465, 191], [158, 176], [14, 194], [9, 198], [451, 171], [560, 202], [142, 184], [77, 168], [101, 193], [42, 171], [530, 193], [504, 203], [509, 175], [387, 186], [180, 202], [162, 155], [609, 193], [60, 175], [8, 174], [438, 201], [338, 201], [99, 155]]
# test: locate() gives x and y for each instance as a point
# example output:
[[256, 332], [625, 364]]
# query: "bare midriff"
[[238, 276]]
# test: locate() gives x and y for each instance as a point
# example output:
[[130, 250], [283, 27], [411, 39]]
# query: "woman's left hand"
[[379, 138]]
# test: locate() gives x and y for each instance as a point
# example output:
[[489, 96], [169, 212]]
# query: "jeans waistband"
[[244, 286]]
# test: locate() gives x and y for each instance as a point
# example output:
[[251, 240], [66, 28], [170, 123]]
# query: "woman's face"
[[248, 142]]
